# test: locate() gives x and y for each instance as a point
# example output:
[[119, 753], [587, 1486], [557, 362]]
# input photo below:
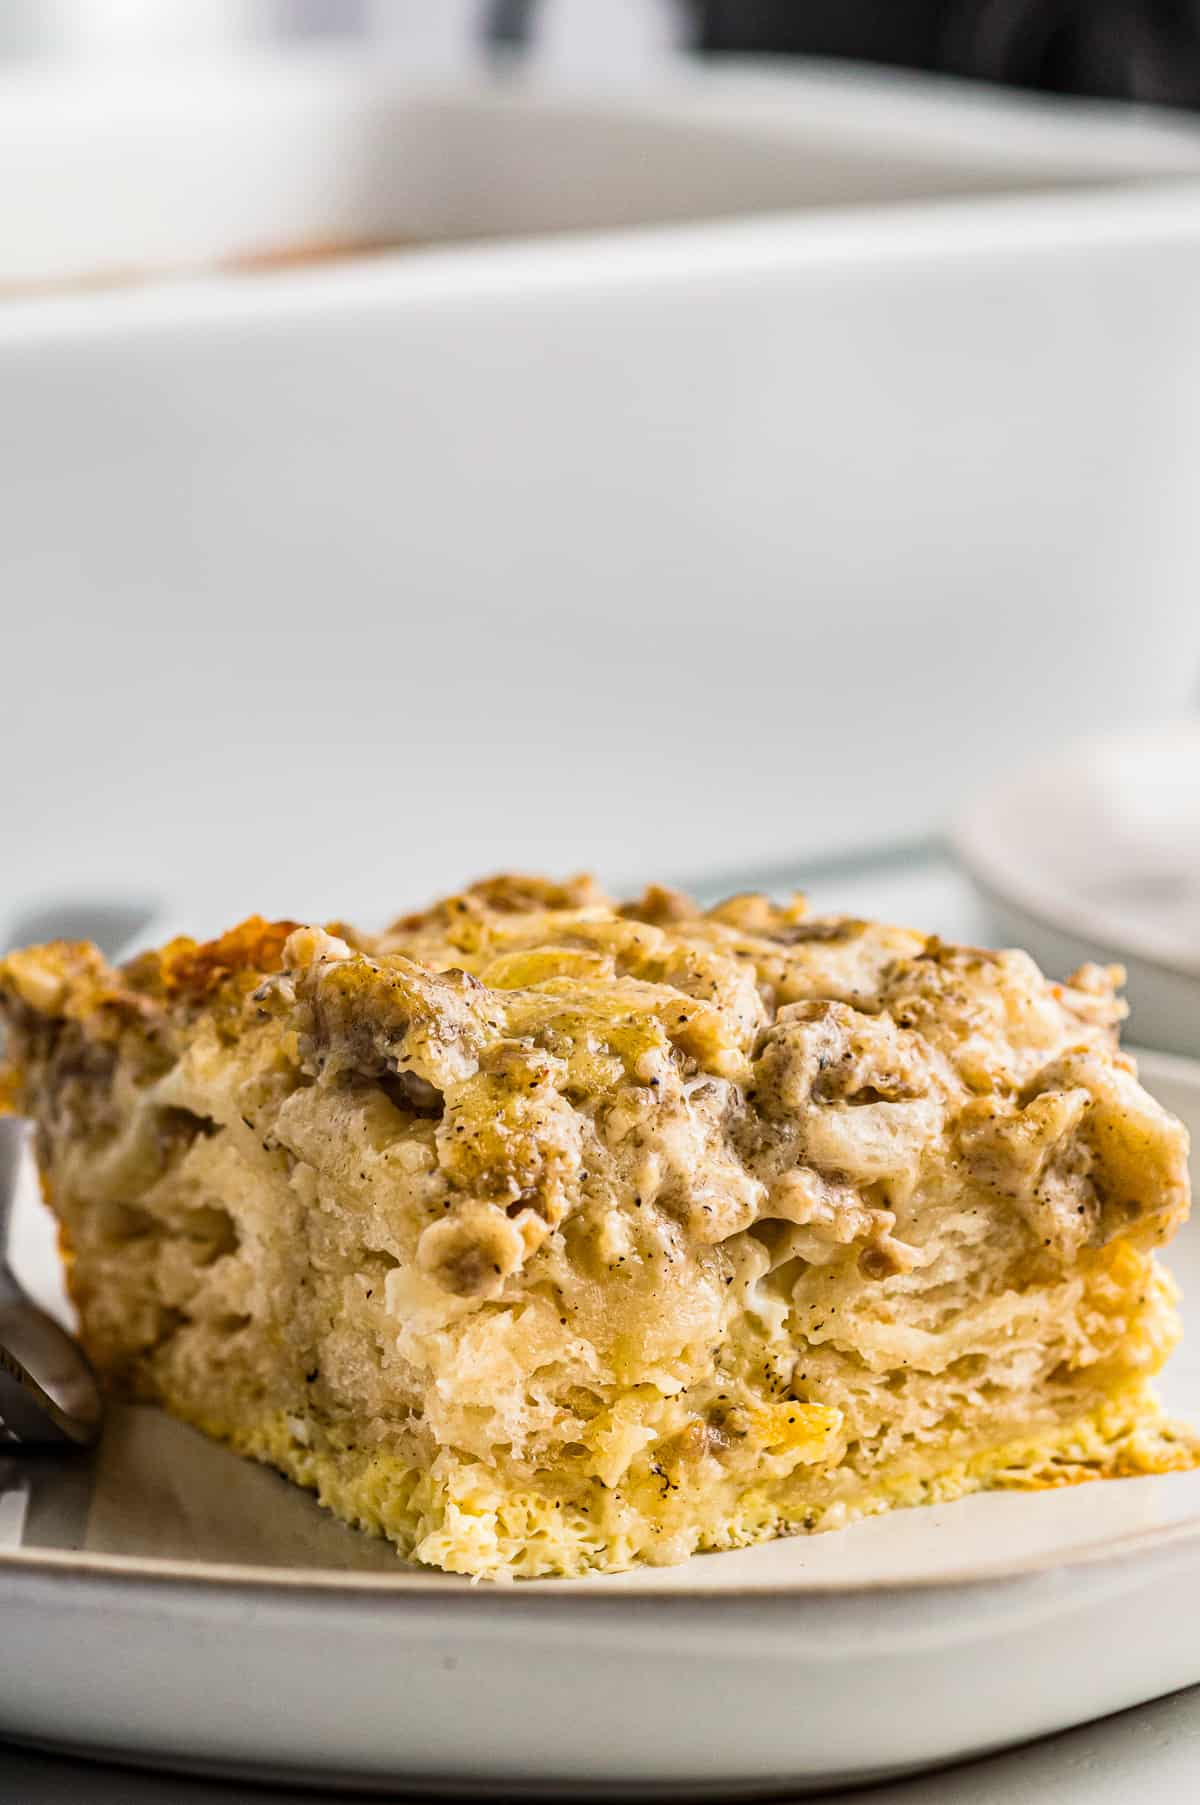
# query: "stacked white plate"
[[1094, 853]]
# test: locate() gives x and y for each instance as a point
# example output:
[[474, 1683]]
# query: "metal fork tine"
[[48, 1392]]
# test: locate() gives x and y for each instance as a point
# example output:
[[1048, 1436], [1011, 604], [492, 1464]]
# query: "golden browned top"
[[701, 985], [190, 972], [746, 1042]]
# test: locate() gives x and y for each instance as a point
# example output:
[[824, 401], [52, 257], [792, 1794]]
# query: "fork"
[[48, 1392]]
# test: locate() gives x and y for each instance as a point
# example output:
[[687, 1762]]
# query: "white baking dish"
[[667, 547]]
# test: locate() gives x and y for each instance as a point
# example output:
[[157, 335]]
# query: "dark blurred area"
[[1139, 50]]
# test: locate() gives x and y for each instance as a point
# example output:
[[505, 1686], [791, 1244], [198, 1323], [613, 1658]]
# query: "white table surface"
[[1152, 1753]]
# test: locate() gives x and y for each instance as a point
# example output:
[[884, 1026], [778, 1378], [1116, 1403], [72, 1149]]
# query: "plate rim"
[[67, 1567]]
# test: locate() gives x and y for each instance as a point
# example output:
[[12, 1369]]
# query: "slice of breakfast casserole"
[[541, 1234]]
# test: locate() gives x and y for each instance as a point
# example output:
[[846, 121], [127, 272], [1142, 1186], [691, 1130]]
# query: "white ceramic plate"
[[1095, 854], [172, 1604]]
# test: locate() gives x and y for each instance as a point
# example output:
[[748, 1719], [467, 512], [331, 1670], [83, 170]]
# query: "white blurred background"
[[620, 38], [416, 462]]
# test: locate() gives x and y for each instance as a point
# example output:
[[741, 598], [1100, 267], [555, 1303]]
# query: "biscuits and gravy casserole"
[[542, 1234]]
